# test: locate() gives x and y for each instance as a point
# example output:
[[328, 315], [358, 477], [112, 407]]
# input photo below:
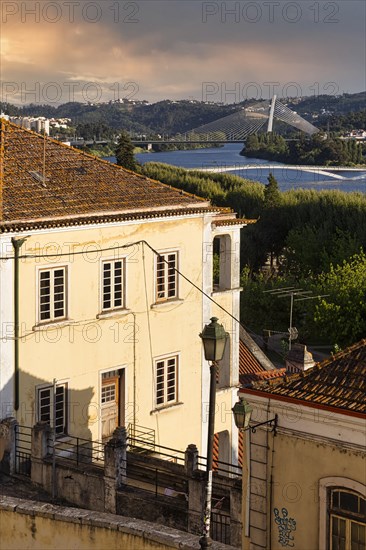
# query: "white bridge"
[[321, 170]]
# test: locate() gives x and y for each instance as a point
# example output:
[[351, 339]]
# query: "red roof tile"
[[250, 369], [338, 382]]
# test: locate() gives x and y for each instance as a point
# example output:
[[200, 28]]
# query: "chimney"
[[299, 359]]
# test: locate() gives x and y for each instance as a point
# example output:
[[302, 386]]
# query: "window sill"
[[113, 313], [167, 407], [45, 325], [166, 303], [226, 290]]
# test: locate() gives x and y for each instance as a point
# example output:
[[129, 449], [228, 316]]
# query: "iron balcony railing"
[[23, 449], [77, 449]]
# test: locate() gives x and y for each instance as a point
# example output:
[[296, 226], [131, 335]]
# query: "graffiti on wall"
[[285, 527]]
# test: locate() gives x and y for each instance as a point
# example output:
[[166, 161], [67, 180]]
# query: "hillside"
[[171, 117]]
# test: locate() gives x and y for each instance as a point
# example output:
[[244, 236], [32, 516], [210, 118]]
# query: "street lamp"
[[214, 340], [242, 412]]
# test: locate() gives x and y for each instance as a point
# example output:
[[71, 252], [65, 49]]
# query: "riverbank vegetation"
[[307, 239], [316, 150]]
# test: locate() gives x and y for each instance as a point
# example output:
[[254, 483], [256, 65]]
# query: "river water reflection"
[[228, 155]]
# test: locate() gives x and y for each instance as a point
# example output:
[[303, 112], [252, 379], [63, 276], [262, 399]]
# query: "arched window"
[[347, 523], [342, 521], [222, 261]]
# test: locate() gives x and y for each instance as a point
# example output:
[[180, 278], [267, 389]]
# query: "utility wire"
[[129, 245]]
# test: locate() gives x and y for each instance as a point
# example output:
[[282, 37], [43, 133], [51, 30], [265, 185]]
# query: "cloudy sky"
[[55, 51]]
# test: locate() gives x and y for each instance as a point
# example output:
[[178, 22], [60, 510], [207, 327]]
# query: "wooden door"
[[109, 403]]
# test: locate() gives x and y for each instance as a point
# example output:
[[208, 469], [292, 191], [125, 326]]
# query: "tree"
[[124, 152], [270, 226], [341, 316], [272, 195]]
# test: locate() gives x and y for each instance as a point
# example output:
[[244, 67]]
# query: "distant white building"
[[38, 124], [355, 134]]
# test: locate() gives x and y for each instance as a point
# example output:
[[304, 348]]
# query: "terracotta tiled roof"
[[75, 185], [248, 364], [338, 382], [250, 369]]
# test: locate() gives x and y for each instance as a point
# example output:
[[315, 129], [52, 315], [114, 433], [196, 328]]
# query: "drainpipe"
[[17, 243]]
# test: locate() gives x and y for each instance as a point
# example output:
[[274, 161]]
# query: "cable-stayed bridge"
[[235, 128], [238, 126]]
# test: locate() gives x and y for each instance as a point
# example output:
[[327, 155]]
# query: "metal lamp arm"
[[272, 422]]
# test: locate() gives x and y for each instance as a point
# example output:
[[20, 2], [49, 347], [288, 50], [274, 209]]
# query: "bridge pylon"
[[271, 115]]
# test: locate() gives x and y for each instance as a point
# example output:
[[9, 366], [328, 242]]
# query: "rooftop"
[[251, 371], [254, 365], [337, 383], [44, 182]]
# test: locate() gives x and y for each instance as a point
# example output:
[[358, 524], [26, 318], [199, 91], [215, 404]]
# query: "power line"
[[142, 241]]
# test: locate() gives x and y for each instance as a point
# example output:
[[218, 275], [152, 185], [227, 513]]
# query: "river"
[[228, 155]]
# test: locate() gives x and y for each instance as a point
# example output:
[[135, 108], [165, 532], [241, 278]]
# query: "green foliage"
[[341, 317], [260, 309], [101, 151], [311, 151], [95, 131], [125, 152], [245, 196], [272, 196], [308, 231], [340, 123], [216, 269], [311, 250], [330, 104]]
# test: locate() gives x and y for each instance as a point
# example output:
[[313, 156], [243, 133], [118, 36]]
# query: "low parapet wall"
[[29, 524]]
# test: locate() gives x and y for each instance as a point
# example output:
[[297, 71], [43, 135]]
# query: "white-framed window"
[[52, 285], [342, 513], [347, 523], [167, 276], [166, 381], [113, 284], [52, 406]]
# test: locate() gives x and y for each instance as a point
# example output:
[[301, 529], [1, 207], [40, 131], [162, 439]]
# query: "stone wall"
[[128, 483], [28, 524]]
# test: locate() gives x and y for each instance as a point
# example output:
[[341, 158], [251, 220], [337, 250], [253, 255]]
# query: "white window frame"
[[165, 297], [157, 383], [113, 307], [52, 269], [49, 388], [334, 482]]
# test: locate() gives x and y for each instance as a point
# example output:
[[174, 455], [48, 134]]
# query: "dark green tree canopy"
[[124, 152], [272, 196]]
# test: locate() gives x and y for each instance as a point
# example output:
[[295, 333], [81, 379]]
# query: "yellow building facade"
[[305, 484], [106, 281]]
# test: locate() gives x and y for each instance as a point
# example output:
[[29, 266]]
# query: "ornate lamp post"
[[214, 340], [242, 412]]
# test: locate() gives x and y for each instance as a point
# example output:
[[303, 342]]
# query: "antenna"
[[291, 292]]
